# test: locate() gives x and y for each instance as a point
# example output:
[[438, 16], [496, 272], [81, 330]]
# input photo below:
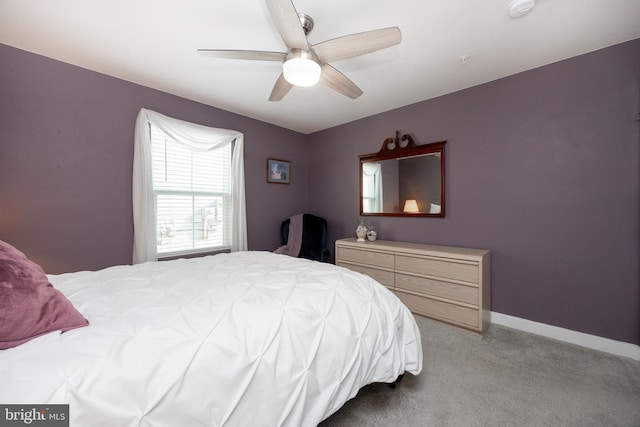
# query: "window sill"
[[192, 254]]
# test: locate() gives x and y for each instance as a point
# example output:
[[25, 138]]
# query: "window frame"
[[192, 135], [157, 136]]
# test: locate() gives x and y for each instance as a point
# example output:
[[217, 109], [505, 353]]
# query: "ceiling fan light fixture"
[[301, 69]]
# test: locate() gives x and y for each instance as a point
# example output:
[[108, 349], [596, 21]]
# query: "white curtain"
[[197, 137], [372, 187]]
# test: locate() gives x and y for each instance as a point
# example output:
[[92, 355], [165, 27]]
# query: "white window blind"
[[192, 196]]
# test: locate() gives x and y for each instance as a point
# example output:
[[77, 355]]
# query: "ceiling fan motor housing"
[[307, 23]]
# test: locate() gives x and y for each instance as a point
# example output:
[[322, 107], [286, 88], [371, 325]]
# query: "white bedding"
[[240, 339]]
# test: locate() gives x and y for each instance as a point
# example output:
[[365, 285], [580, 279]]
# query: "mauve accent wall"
[[66, 153], [542, 168]]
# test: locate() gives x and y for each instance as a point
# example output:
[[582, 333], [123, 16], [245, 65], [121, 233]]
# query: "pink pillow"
[[29, 305]]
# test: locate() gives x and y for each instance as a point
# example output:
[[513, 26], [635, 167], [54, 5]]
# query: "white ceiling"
[[154, 42]]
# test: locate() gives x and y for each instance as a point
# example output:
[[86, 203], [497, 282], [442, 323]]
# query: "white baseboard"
[[594, 342]]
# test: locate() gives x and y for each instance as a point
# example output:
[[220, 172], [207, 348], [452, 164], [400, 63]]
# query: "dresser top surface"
[[407, 247]]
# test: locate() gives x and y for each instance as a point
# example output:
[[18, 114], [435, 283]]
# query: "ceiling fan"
[[305, 64]]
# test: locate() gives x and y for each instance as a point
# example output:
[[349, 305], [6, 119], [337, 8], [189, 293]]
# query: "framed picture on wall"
[[278, 171]]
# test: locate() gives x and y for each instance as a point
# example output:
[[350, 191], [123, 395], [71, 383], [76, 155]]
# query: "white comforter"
[[241, 339]]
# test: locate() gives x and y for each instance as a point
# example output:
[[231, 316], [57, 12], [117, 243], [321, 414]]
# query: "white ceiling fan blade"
[[357, 44], [339, 82], [280, 89], [255, 55], [286, 18]]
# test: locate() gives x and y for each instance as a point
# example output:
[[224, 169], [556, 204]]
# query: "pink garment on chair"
[[294, 243]]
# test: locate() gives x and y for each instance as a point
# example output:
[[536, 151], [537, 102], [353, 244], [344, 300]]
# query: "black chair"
[[314, 237]]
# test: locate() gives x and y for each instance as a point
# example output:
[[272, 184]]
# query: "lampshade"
[[411, 206], [301, 68]]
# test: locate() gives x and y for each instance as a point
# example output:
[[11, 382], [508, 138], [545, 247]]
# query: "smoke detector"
[[518, 8]]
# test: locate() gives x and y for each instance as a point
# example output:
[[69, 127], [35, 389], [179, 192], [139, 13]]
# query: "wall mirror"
[[403, 179]]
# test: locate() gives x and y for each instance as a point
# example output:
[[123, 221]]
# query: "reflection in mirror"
[[403, 180], [410, 185]]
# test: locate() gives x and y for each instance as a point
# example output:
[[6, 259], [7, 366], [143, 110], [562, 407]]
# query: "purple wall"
[[66, 155], [543, 169]]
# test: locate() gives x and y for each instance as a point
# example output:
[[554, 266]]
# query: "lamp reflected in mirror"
[[411, 206]]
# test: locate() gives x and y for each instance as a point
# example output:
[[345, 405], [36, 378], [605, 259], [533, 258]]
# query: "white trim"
[[594, 342]]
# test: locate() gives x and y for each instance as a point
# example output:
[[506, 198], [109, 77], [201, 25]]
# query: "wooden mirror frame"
[[397, 148]]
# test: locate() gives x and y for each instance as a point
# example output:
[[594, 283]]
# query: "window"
[[371, 187], [192, 196], [188, 188]]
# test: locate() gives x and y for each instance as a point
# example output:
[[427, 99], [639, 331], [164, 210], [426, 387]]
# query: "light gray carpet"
[[507, 378]]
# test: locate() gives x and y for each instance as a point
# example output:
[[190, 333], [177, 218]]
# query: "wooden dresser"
[[442, 282]]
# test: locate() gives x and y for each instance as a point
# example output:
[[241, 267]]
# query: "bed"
[[239, 339]]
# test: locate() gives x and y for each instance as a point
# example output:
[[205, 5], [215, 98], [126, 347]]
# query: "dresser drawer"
[[467, 272], [448, 290], [382, 276], [439, 309], [363, 256]]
